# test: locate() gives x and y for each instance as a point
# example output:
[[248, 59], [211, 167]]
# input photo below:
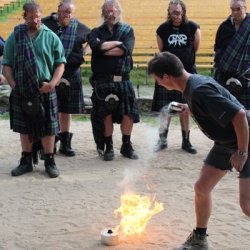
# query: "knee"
[[200, 189]]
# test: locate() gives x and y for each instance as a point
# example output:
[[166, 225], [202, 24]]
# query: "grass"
[[137, 76], [148, 118], [10, 9]]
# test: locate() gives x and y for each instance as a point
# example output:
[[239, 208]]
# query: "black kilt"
[[74, 104], [127, 100], [127, 106]]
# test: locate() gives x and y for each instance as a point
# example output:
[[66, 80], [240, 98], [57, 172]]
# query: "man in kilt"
[[232, 52], [33, 64], [113, 94], [70, 97]]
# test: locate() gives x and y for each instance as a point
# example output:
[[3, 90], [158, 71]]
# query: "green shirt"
[[48, 51]]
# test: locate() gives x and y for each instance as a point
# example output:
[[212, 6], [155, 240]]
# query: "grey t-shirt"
[[212, 107]]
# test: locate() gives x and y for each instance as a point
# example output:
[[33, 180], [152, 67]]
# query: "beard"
[[112, 20]]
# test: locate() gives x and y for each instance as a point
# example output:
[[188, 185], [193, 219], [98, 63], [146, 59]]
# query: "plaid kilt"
[[75, 103], [127, 106], [244, 99], [19, 123], [162, 97], [127, 100]]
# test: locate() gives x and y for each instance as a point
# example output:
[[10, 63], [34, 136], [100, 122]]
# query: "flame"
[[135, 212]]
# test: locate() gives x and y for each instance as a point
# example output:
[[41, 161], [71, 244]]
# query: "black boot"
[[65, 146], [50, 166], [25, 165], [109, 150], [162, 142], [127, 149], [186, 145]]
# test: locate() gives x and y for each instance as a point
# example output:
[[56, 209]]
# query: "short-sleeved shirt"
[[75, 58], [179, 41], [48, 50], [212, 107], [108, 65]]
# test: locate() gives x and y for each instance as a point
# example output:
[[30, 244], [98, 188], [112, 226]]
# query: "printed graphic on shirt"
[[177, 39]]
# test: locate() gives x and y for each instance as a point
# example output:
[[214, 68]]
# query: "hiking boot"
[[128, 151], [186, 145], [50, 166], [109, 154], [24, 166], [194, 242]]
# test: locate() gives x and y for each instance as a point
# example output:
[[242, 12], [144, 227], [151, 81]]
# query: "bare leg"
[[164, 122], [65, 122], [26, 144], [185, 121], [208, 179], [244, 187], [126, 125], [48, 144]]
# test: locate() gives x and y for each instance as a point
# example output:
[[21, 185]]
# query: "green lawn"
[[138, 76]]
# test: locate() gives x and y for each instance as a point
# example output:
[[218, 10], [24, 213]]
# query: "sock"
[[201, 231]]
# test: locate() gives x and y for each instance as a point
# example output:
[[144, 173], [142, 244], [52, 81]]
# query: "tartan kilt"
[[162, 97], [75, 103], [244, 99], [127, 100], [20, 124]]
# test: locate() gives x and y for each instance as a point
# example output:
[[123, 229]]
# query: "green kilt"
[[21, 124], [74, 103]]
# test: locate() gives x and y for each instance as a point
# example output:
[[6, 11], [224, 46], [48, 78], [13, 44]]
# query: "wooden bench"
[[141, 57]]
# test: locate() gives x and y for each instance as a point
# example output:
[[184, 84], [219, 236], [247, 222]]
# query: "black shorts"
[[219, 157]]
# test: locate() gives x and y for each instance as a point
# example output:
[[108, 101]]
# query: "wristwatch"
[[241, 152]]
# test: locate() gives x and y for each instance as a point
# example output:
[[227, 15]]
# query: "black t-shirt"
[[75, 58], [109, 65], [212, 107], [179, 41]]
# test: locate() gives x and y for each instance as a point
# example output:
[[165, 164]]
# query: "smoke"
[[138, 173]]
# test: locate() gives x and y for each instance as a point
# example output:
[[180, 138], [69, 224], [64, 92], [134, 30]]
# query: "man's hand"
[[46, 88], [238, 160]]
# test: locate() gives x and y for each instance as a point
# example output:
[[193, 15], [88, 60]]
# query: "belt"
[[111, 78]]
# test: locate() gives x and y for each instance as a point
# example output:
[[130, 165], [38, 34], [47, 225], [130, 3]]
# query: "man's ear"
[[166, 76]]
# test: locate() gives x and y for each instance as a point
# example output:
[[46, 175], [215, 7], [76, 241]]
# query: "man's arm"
[[241, 128], [197, 40], [48, 86], [8, 73]]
